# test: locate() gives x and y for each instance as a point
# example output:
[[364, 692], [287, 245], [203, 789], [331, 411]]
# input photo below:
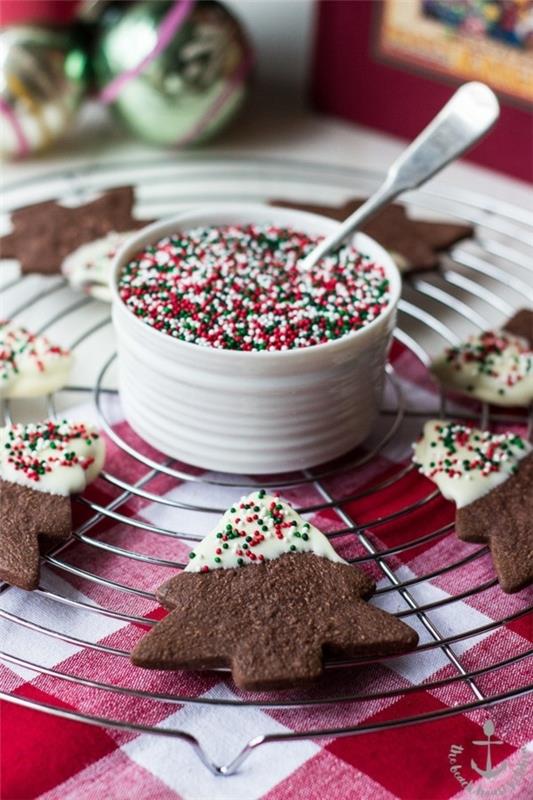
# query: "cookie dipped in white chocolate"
[[30, 365], [495, 367], [467, 463], [88, 268], [55, 457], [258, 528]]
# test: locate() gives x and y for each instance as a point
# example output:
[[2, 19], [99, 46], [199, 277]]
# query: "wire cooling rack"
[[480, 283]]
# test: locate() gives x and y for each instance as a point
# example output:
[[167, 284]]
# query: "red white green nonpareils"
[[37, 449], [258, 528], [58, 457], [244, 288], [467, 463], [30, 365], [462, 450], [493, 366], [485, 354]]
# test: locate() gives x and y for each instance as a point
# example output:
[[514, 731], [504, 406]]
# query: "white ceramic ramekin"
[[251, 412]]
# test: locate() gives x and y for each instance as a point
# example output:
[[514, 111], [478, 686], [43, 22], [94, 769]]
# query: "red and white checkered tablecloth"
[[49, 757]]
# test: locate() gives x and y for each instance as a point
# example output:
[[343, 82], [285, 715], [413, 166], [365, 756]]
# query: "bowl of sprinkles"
[[232, 356]]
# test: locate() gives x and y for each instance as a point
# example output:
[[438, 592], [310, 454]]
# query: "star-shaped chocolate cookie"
[[414, 244], [41, 465], [45, 233], [503, 519], [266, 595], [490, 478], [32, 522]]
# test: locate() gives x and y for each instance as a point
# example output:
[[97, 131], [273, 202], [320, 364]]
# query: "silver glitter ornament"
[[42, 82]]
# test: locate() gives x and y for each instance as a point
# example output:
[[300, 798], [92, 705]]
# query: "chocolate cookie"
[[521, 324], [503, 519], [31, 523], [40, 466], [490, 478], [270, 599], [495, 366], [414, 244], [45, 233]]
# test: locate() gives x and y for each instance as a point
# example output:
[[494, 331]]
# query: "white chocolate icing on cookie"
[[30, 365], [55, 457], [467, 463], [495, 366], [88, 268], [258, 528]]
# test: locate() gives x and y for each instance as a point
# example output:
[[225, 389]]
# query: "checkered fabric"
[[62, 759]]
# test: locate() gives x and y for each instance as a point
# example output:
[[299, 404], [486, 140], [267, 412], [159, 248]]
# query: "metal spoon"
[[465, 118]]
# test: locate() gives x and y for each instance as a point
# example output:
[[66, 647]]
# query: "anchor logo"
[[515, 773], [489, 771]]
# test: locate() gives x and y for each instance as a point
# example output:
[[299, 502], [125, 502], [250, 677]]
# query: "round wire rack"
[[480, 283]]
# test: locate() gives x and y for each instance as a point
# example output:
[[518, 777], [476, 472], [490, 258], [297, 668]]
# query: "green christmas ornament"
[[42, 82], [175, 72]]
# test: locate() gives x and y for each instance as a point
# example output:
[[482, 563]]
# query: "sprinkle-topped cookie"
[[494, 366], [467, 463], [41, 465], [88, 268], [258, 527], [56, 457], [30, 365], [295, 603], [244, 288]]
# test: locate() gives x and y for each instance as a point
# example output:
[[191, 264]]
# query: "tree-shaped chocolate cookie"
[[490, 478], [44, 234], [267, 595], [495, 366], [41, 465], [414, 244]]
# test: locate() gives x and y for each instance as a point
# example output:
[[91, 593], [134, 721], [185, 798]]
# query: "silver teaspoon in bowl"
[[465, 118]]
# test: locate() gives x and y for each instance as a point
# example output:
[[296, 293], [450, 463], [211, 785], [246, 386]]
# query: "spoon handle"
[[465, 118]]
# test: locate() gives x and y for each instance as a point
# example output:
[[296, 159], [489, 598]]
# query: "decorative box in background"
[[376, 58]]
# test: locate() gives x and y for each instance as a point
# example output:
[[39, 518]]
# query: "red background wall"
[[350, 83], [13, 12]]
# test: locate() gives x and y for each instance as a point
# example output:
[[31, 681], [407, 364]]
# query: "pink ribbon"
[[9, 113], [170, 25], [234, 82]]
